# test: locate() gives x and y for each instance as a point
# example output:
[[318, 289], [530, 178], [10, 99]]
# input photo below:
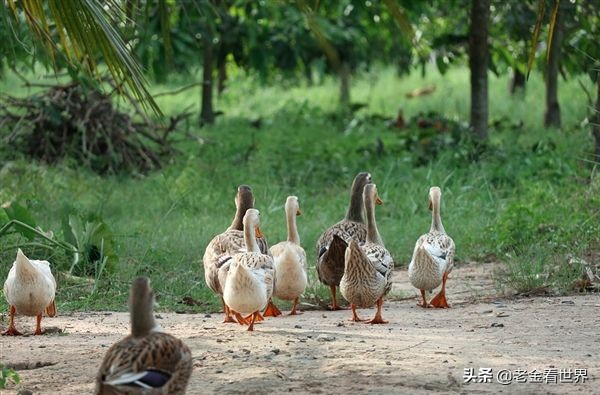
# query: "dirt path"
[[419, 351]]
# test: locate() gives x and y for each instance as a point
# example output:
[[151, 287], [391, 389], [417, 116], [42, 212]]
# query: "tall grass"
[[531, 190]]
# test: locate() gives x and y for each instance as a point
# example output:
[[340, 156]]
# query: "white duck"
[[250, 280], [433, 257], [218, 253], [290, 259], [368, 267], [30, 290], [147, 361]]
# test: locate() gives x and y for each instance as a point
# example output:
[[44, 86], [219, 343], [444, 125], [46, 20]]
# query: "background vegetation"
[[526, 194]]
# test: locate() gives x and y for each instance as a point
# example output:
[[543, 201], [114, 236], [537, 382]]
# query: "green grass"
[[529, 200]]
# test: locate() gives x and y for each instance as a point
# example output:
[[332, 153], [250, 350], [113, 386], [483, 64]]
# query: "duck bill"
[[298, 212], [258, 232], [378, 201]]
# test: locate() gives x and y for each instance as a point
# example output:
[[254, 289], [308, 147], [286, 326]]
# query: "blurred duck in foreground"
[[147, 361]]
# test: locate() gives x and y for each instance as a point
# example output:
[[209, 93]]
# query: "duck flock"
[[240, 267]]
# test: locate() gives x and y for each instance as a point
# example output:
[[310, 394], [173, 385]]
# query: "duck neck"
[[250, 239], [355, 209], [142, 318], [373, 235], [291, 227], [238, 220], [436, 219]]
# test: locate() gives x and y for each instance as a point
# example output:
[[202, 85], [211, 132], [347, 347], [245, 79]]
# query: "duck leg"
[[11, 330], [271, 310], [294, 310], [355, 317], [240, 319], [259, 317], [334, 306], [254, 315], [423, 304], [227, 311], [440, 299], [377, 319], [38, 325]]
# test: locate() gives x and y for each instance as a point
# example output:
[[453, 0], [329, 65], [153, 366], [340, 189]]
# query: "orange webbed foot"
[[11, 331], [377, 320], [240, 319], [229, 319], [439, 301], [271, 310]]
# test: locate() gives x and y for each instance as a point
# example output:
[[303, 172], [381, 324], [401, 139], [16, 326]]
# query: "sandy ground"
[[322, 352]]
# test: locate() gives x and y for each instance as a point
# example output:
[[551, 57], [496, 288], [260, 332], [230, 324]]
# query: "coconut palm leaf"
[[86, 32]]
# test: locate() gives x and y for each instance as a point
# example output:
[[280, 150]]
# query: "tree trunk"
[[308, 74], [552, 114], [207, 114], [478, 63], [596, 127], [517, 83], [222, 76], [344, 84]]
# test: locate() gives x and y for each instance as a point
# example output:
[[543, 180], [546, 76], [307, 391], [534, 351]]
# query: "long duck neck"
[[238, 220], [355, 209], [292, 229], [250, 238], [373, 235], [436, 219], [142, 316]]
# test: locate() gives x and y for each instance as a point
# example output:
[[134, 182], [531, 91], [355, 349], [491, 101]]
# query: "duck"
[[433, 256], [368, 266], [220, 250], [30, 289], [289, 259], [147, 361], [251, 276], [330, 250]]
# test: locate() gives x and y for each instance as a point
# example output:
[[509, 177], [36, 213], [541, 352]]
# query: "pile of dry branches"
[[73, 122]]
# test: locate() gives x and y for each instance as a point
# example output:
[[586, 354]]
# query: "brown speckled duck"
[[147, 361], [331, 250], [368, 266], [250, 280], [29, 290], [433, 257], [290, 259], [217, 257]]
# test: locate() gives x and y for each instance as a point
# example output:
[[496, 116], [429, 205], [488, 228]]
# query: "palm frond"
[[551, 28], [87, 32], [536, 34]]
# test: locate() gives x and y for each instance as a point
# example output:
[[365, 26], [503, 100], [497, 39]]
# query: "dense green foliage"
[[529, 199]]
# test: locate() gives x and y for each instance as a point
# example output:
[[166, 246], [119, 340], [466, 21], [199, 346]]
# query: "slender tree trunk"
[[308, 75], [344, 84], [478, 63], [552, 114], [222, 76], [207, 114], [517, 82], [596, 127]]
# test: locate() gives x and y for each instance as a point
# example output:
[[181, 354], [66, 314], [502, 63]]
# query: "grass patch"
[[529, 198]]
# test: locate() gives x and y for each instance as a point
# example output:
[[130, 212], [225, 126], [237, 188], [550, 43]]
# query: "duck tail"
[[51, 309]]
